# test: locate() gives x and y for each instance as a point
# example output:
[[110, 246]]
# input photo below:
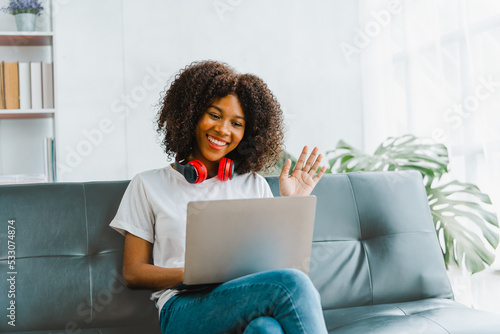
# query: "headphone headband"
[[196, 172]]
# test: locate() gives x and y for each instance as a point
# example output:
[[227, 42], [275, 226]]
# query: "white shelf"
[[26, 113], [20, 38], [18, 134]]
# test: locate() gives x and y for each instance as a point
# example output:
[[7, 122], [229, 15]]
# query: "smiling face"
[[218, 132]]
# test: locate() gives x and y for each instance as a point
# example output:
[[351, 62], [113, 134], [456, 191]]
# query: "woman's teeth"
[[216, 142]]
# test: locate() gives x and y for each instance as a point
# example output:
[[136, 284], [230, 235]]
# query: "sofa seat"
[[428, 316]]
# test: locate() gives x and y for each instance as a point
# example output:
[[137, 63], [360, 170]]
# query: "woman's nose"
[[222, 128]]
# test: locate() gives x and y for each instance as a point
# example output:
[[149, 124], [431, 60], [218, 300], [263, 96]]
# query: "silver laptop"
[[226, 239]]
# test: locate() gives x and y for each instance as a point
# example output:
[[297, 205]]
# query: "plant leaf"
[[453, 215], [464, 246], [395, 153]]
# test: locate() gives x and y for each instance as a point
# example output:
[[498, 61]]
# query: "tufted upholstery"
[[377, 263], [68, 261], [375, 260]]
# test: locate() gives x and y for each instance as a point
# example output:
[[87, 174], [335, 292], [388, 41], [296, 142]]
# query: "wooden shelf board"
[[35, 38], [26, 114]]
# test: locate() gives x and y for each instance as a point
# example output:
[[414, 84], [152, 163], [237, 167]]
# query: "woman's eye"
[[214, 116], [237, 124]]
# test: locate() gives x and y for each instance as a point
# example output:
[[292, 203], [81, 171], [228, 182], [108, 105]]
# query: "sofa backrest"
[[374, 240], [374, 243], [68, 261]]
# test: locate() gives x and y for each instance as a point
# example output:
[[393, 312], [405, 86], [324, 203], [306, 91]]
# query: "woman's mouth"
[[215, 143]]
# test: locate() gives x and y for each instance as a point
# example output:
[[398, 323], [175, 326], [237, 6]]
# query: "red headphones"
[[196, 172]]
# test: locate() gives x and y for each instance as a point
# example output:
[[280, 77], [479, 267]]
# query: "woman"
[[214, 120]]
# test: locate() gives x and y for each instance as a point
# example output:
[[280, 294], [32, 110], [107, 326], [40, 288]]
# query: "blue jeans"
[[276, 301]]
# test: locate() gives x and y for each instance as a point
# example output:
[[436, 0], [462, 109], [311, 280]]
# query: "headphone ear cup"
[[196, 170], [226, 169]]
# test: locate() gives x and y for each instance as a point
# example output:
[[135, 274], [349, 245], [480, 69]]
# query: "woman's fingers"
[[314, 168], [286, 169], [309, 164], [302, 158], [320, 174]]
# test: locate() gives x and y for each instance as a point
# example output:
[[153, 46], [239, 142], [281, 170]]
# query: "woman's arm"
[[138, 273]]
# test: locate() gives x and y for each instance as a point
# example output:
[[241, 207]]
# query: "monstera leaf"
[[406, 152], [463, 224], [467, 230]]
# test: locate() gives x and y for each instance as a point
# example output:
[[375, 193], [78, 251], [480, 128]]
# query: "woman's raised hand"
[[303, 178]]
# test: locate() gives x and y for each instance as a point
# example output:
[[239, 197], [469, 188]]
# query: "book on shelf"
[[50, 159], [47, 85], [11, 84], [24, 86], [36, 84], [2, 91]]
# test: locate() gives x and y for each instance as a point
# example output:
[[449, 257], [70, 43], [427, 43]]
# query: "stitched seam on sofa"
[[42, 256], [284, 288], [397, 233], [355, 205], [90, 265], [106, 252], [430, 308], [372, 317], [62, 255], [377, 236], [419, 315], [333, 240], [399, 308], [369, 269], [361, 237]]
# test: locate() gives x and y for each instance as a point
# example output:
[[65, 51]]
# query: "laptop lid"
[[226, 239]]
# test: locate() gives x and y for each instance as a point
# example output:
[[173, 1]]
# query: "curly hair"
[[192, 91]]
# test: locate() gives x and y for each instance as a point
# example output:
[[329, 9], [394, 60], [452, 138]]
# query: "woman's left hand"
[[303, 178]]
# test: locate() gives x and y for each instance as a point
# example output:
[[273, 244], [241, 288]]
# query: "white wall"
[[113, 63], [90, 75]]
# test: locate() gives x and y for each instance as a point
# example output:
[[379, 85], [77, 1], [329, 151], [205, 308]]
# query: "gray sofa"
[[375, 260]]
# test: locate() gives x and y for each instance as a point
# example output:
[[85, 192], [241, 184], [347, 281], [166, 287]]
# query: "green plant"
[[467, 230]]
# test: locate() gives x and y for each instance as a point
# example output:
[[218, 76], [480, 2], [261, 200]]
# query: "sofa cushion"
[[428, 316], [68, 260], [376, 260], [374, 241]]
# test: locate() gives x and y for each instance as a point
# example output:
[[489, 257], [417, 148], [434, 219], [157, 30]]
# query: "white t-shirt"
[[154, 208]]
